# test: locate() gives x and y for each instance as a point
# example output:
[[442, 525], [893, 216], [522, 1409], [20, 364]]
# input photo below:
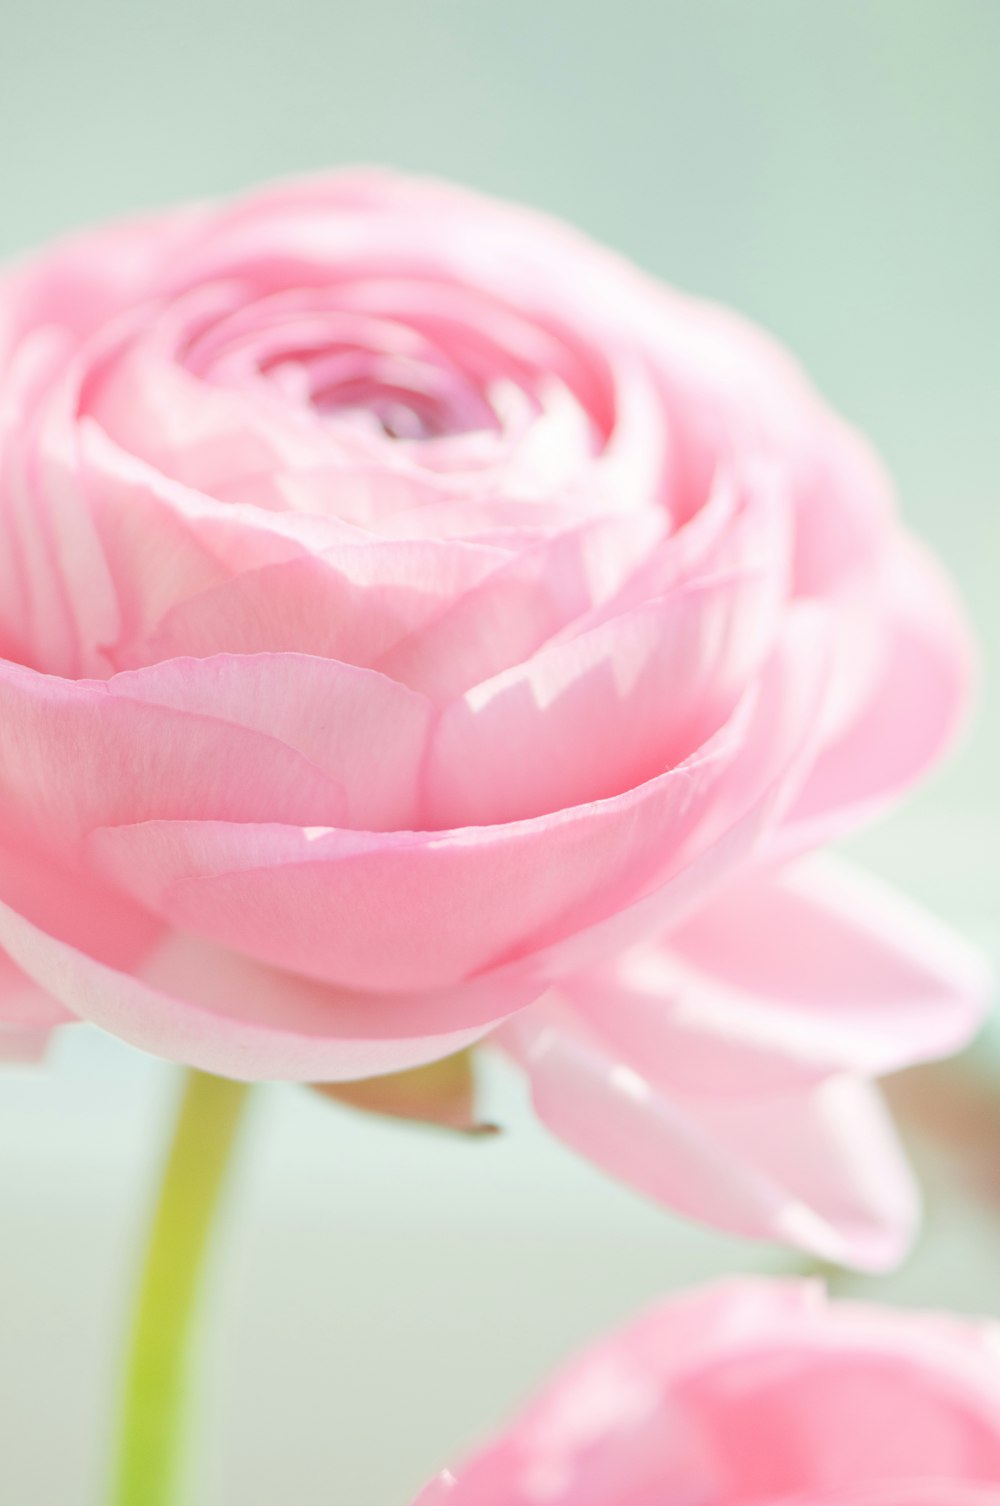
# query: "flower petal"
[[424, 910], [787, 976], [23, 1007], [633, 685], [594, 715], [521, 604], [78, 754], [214, 1010], [911, 715], [818, 1166], [366, 732], [355, 603], [754, 1390]]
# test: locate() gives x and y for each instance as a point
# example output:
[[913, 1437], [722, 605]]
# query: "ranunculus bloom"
[[757, 1393], [415, 619]]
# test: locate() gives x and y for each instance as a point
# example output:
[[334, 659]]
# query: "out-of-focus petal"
[[27, 1016], [22, 1006], [816, 1166], [786, 976], [751, 1393]]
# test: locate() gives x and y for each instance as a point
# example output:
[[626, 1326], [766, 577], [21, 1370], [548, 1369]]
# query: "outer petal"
[[23, 1006], [783, 977], [407, 910], [37, 562], [214, 1010], [419, 910], [818, 1167], [27, 1016], [727, 385], [912, 713], [86, 279]]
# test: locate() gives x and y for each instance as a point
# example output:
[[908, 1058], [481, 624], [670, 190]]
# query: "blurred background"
[[831, 170]]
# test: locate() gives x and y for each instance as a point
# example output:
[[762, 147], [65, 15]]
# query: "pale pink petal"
[[633, 684], [36, 621], [217, 1011], [911, 716], [406, 910], [365, 731], [78, 754], [817, 1166], [196, 432], [27, 1016], [853, 1399], [354, 603], [353, 497], [775, 728], [196, 575], [421, 910], [84, 280], [904, 1493], [742, 531], [730, 388], [386, 434], [612, 1428], [785, 976], [594, 715], [54, 892], [522, 604], [165, 542], [23, 1007]]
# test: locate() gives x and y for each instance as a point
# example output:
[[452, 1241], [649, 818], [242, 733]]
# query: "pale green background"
[[831, 167]]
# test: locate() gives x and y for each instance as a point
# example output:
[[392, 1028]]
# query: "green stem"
[[156, 1380]]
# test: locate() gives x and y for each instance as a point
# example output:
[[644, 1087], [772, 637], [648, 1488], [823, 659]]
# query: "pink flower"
[[413, 620], [757, 1393]]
